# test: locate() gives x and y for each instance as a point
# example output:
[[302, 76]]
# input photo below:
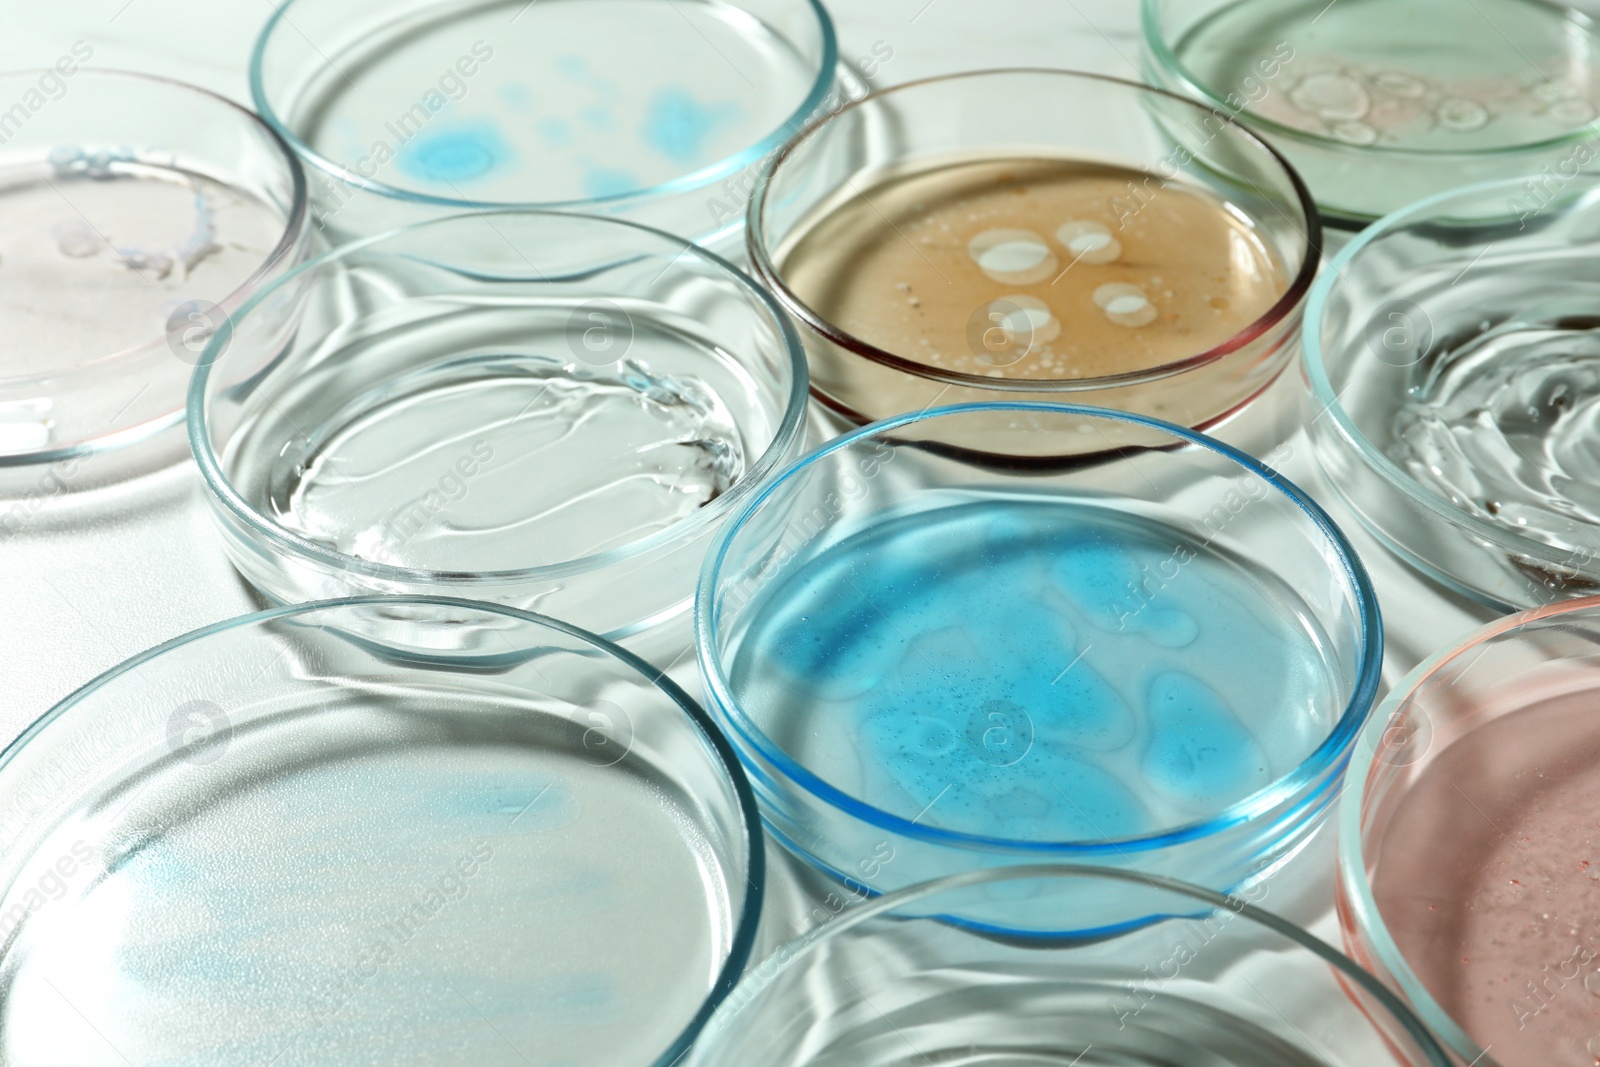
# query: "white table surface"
[[81, 594]]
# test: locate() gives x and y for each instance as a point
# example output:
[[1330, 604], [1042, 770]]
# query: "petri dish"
[[1453, 357], [1035, 235], [137, 212], [906, 979], [1156, 658], [545, 410], [1467, 843], [327, 833], [1380, 103], [650, 111]]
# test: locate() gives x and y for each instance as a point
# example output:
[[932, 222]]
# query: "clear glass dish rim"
[[741, 945], [1329, 755], [1327, 399], [98, 368], [1157, 49], [767, 272], [818, 938], [712, 172], [786, 433], [1359, 918]]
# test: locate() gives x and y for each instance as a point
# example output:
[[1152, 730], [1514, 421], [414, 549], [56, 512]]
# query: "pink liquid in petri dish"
[[1489, 875]]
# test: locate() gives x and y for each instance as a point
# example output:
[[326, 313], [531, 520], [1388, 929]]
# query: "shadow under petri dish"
[[405, 878], [1488, 877], [1033, 268], [1037, 670]]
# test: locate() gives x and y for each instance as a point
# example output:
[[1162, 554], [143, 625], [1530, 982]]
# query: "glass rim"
[[1327, 398], [1329, 755], [712, 172], [757, 247], [1360, 921], [817, 938], [785, 433], [97, 368], [742, 943], [1161, 52]]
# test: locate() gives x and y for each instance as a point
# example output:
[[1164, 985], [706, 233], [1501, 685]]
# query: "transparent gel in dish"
[[1454, 367], [322, 835], [135, 214], [545, 410]]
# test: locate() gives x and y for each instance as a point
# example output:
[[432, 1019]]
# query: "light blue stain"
[[573, 67], [1198, 751], [608, 181], [678, 126], [516, 96], [1122, 594], [557, 132], [460, 153], [598, 118]]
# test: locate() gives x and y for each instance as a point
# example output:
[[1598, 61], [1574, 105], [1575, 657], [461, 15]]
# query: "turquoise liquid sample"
[[1037, 669]]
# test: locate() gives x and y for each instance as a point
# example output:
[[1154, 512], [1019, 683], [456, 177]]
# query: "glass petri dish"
[[650, 111], [135, 212], [550, 411], [1380, 103], [1041, 235], [1453, 356], [905, 980], [326, 833], [1467, 845], [1156, 658]]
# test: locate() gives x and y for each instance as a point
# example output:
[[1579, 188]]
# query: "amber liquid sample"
[[1034, 268]]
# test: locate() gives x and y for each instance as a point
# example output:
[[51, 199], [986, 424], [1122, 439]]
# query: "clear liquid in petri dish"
[[556, 101], [98, 249], [1505, 424], [1037, 670], [1429, 75], [504, 462], [396, 880], [1489, 869], [1033, 268]]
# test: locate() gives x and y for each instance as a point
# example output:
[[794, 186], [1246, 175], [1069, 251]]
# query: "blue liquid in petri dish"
[[1037, 670]]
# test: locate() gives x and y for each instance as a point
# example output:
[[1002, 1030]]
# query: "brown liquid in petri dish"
[[1035, 268]]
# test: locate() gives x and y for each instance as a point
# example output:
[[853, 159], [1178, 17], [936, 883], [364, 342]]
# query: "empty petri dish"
[[1040, 235], [1453, 354], [316, 835], [1379, 103], [1155, 658], [647, 110], [913, 978], [135, 212], [1468, 854], [546, 410]]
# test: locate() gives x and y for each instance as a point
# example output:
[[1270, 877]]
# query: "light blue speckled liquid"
[[1036, 669]]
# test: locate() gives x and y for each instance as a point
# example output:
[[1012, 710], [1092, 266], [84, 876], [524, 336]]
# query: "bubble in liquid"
[[1089, 242], [1125, 305], [1393, 82], [1357, 133], [1573, 112], [1018, 257], [1462, 115], [77, 239], [1333, 97]]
